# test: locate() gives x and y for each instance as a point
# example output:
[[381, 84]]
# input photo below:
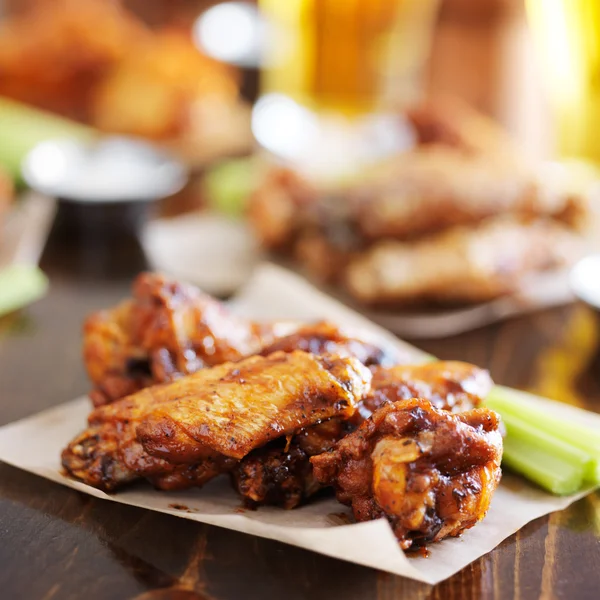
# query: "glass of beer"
[[349, 56], [568, 32]]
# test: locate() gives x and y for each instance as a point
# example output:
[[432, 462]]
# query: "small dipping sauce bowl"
[[107, 188]]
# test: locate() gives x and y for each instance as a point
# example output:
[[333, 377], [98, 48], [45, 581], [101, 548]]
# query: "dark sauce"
[[340, 518], [183, 507]]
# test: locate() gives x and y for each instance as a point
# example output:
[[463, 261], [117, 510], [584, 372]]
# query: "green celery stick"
[[549, 472], [547, 443], [20, 285], [23, 127], [229, 184], [512, 402]]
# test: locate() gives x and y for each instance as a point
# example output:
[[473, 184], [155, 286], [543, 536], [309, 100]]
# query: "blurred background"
[[323, 134], [339, 54]]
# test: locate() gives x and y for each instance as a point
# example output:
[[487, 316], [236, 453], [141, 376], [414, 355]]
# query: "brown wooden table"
[[56, 543]]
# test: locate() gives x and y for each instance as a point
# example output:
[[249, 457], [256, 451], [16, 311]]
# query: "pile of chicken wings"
[[460, 218], [184, 391]]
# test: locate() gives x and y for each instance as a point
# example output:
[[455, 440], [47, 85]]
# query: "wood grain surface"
[[56, 543]]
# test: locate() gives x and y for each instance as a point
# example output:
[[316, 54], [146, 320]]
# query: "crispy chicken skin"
[[253, 402], [231, 409], [168, 329], [432, 474], [108, 455], [326, 338], [448, 385], [460, 265]]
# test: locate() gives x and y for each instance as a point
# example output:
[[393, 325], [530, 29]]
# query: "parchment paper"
[[35, 443]]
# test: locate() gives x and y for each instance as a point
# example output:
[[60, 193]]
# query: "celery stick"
[[23, 127], [553, 474], [507, 401], [229, 184], [545, 442], [20, 285]]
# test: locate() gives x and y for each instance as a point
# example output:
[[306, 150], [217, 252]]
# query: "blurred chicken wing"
[[461, 217], [464, 169], [460, 265], [438, 187], [97, 62], [276, 208], [53, 54], [449, 121], [154, 90], [431, 474]]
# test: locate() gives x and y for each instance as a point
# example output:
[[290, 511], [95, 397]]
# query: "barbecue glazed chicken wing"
[[448, 385], [108, 455], [281, 474], [185, 432], [326, 338], [168, 329], [430, 473], [255, 401]]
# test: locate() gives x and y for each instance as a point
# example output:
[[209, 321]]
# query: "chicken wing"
[[277, 208], [108, 455], [253, 402], [432, 474], [460, 265], [433, 189], [281, 474], [326, 338], [168, 329], [448, 385], [450, 122], [275, 475], [464, 169], [211, 418]]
